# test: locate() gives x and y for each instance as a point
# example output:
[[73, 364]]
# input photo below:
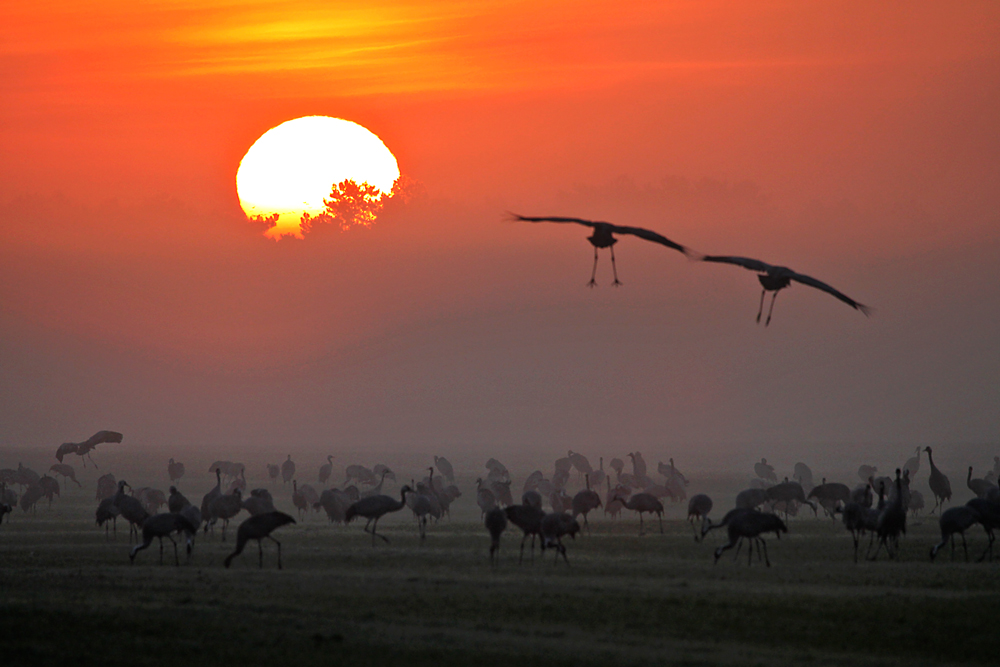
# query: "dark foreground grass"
[[68, 596]]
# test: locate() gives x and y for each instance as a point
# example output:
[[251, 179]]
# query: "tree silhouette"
[[352, 205], [349, 205], [266, 221]]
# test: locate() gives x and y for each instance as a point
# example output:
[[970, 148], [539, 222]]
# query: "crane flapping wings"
[[64, 449], [782, 271], [646, 234], [101, 437], [745, 262]]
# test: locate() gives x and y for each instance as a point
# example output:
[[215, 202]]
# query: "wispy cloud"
[[392, 46]]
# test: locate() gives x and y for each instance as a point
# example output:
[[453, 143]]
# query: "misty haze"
[[468, 452]]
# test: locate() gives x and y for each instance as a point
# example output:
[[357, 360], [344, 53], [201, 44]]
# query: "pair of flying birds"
[[772, 278]]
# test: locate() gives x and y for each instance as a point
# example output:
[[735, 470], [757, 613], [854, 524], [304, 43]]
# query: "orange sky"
[[857, 141]]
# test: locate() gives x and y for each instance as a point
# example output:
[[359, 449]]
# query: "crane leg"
[[260, 554], [279, 549], [760, 308], [520, 560], [660, 516], [593, 272], [767, 560], [375, 533], [965, 548], [989, 547], [161, 550], [560, 550], [878, 548], [614, 269], [177, 560], [771, 309], [718, 552]]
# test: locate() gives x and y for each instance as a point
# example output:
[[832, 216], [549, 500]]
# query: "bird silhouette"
[[603, 237], [175, 469], [374, 508], [131, 509], [989, 517], [496, 523], [891, 522], [939, 483], [776, 278], [210, 497], [698, 508], [584, 502], [66, 471], [979, 486], [84, 448], [529, 519], [552, 529], [107, 513], [326, 470], [913, 464], [955, 520], [162, 525], [288, 469], [643, 502], [257, 528], [445, 467], [751, 525]]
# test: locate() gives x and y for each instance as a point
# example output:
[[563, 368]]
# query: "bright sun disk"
[[291, 168]]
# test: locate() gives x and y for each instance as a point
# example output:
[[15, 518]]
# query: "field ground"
[[68, 596]]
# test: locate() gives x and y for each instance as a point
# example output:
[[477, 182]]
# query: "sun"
[[292, 167]]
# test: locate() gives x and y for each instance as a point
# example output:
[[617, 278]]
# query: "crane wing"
[[579, 221], [645, 234], [820, 285], [103, 436], [745, 262], [649, 236], [764, 267]]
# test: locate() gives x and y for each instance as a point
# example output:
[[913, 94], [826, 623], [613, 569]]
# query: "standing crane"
[[643, 502], [288, 469], [939, 483], [374, 508], [257, 528], [162, 525], [326, 470]]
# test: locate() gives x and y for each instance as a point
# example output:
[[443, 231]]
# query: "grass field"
[[68, 596]]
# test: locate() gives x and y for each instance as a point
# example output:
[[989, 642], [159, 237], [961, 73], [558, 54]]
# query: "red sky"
[[857, 142]]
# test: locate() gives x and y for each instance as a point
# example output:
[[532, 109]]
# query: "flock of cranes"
[[772, 278], [878, 506], [431, 498]]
